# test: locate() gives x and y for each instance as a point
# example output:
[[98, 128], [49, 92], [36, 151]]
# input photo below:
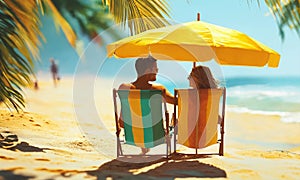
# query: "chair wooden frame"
[[222, 123], [118, 128]]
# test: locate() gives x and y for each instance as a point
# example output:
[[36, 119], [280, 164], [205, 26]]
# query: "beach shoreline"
[[54, 142]]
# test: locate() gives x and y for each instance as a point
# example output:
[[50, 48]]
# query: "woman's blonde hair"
[[203, 77]]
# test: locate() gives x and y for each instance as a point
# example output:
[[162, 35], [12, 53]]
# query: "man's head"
[[146, 68]]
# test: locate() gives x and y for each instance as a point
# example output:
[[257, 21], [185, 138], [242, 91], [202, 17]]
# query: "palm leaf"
[[62, 23], [139, 15], [286, 13], [90, 16], [19, 41]]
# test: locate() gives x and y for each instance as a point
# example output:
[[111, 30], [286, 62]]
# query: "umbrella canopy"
[[198, 42]]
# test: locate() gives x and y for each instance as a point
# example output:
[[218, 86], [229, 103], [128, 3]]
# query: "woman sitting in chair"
[[198, 110], [202, 78]]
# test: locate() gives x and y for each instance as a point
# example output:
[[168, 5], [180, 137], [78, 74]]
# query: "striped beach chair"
[[142, 115], [198, 118]]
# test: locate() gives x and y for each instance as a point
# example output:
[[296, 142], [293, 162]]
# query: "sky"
[[250, 19]]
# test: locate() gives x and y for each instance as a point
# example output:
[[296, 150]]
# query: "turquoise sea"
[[272, 95], [263, 95]]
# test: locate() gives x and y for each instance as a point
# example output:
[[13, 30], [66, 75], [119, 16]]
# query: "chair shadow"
[[9, 174], [11, 142], [183, 156], [177, 166], [26, 147]]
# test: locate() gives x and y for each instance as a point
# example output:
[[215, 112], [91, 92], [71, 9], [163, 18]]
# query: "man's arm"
[[170, 98], [167, 95]]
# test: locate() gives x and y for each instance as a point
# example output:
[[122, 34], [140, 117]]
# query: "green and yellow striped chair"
[[142, 116], [198, 118]]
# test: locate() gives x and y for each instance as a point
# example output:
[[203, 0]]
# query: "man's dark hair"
[[142, 64]]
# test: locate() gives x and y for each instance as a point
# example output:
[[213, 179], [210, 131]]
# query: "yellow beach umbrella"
[[196, 41]]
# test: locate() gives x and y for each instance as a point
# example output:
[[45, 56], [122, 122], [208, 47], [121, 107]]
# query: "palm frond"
[[139, 15], [286, 13], [19, 41], [85, 17], [61, 22]]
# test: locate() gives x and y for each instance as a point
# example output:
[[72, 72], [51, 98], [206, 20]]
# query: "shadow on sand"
[[178, 166], [26, 147], [11, 142], [9, 174]]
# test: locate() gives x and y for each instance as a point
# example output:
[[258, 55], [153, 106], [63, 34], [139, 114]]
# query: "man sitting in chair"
[[147, 70]]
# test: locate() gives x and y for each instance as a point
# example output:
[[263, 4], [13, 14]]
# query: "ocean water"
[[272, 95], [261, 95], [257, 95]]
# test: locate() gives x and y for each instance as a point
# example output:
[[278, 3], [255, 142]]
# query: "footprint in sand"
[[7, 139], [41, 159], [7, 158], [11, 138], [31, 120]]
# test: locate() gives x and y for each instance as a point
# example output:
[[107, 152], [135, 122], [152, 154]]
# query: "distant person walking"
[[54, 71], [36, 85]]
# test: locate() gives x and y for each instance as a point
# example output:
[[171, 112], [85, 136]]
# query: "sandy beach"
[[57, 138]]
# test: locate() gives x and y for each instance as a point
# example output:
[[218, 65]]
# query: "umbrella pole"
[[198, 19]]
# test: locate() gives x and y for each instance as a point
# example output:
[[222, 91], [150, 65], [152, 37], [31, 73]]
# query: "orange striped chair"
[[142, 116], [198, 116]]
